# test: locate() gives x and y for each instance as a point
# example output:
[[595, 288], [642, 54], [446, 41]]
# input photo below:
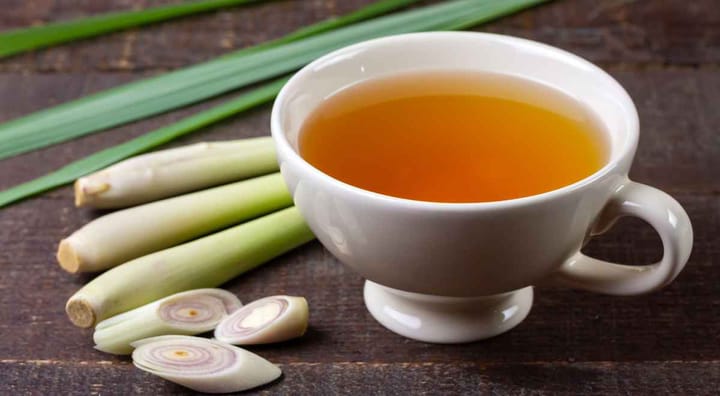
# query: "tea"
[[453, 137]]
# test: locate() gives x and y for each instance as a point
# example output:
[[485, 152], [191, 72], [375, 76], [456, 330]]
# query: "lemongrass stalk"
[[115, 238], [187, 313], [203, 365], [205, 262], [268, 320], [165, 173]]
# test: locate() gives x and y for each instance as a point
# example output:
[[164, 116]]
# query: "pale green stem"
[[166, 173], [205, 262], [115, 238]]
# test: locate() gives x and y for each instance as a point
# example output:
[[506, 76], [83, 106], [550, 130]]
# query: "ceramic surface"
[[477, 249]]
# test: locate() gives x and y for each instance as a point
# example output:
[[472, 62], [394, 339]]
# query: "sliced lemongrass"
[[268, 320], [205, 262], [165, 173], [187, 313], [203, 365], [115, 238]]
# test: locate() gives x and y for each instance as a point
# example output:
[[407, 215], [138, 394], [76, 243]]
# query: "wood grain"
[[666, 54], [351, 378]]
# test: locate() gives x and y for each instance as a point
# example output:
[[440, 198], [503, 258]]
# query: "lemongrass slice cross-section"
[[271, 319], [203, 365], [187, 313]]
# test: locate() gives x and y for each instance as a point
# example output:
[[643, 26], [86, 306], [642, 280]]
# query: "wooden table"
[[666, 53]]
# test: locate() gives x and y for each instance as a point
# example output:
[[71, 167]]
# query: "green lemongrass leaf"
[[159, 94], [101, 159], [25, 39]]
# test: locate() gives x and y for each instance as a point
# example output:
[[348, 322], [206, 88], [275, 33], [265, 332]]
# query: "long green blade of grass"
[[101, 159], [153, 139], [159, 94], [16, 41]]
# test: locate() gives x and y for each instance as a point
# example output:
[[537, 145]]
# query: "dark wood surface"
[[666, 53]]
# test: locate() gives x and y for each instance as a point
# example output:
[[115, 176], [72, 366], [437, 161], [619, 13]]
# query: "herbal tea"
[[453, 137]]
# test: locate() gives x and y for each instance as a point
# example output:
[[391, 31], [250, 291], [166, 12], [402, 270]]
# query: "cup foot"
[[446, 320]]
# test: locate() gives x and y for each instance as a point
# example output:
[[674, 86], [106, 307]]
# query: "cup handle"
[[664, 214]]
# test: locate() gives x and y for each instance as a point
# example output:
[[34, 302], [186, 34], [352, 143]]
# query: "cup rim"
[[282, 143]]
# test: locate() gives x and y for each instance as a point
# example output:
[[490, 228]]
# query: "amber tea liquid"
[[453, 137]]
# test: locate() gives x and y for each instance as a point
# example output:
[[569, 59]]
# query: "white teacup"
[[459, 272]]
